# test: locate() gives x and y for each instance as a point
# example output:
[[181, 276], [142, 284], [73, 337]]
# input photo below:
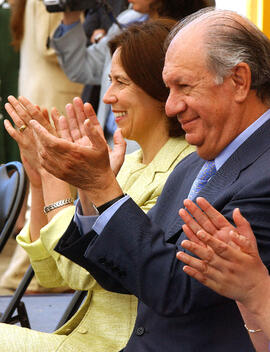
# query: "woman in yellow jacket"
[[105, 320]]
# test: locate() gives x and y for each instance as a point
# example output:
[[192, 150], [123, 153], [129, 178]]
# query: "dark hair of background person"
[[17, 22], [142, 57], [179, 9]]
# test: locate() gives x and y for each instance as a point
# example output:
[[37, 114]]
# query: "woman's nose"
[[109, 97]]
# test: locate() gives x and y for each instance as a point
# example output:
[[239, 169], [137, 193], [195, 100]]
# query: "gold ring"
[[22, 128]]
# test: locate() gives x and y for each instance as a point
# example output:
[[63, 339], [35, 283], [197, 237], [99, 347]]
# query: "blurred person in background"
[[96, 24]]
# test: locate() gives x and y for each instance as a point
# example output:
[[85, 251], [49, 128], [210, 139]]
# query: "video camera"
[[71, 5], [80, 5]]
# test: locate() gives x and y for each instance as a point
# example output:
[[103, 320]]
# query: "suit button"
[[140, 331], [102, 260], [82, 331]]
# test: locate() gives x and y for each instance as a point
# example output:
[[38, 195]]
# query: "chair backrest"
[[9, 316], [13, 183]]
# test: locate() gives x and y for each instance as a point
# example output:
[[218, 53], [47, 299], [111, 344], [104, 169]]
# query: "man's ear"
[[241, 78]]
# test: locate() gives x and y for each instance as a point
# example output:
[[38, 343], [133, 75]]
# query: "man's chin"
[[192, 139], [205, 154]]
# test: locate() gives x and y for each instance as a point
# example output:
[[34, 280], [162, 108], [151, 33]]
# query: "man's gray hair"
[[229, 40]]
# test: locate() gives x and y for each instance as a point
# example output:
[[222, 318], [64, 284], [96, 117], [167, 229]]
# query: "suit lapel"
[[242, 158], [193, 169]]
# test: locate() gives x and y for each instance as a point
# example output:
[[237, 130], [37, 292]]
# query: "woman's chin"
[[127, 135]]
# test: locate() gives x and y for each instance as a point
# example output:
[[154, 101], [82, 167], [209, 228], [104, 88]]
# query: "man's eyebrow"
[[169, 75], [179, 79], [172, 80]]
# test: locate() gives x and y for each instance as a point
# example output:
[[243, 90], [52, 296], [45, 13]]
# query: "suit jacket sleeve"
[[139, 251], [144, 185], [73, 246], [143, 247]]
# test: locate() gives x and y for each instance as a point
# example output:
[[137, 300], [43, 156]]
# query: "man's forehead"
[[186, 38], [173, 55], [170, 68], [184, 51]]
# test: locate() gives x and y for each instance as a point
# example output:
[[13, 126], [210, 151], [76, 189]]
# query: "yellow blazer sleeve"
[[51, 268]]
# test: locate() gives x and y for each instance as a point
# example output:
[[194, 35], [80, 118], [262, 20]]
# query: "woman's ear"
[[241, 78]]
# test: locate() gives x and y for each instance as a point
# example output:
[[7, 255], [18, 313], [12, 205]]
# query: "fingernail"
[[201, 234]]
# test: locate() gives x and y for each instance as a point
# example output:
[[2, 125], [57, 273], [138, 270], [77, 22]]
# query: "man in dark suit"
[[217, 70]]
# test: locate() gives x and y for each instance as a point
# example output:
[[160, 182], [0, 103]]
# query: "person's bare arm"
[[258, 324], [45, 188], [75, 129], [28, 151]]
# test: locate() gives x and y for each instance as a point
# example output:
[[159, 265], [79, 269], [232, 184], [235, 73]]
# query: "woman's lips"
[[119, 115]]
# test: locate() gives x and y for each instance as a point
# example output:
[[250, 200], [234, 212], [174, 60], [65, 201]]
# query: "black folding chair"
[[13, 182], [15, 303], [13, 185], [22, 316]]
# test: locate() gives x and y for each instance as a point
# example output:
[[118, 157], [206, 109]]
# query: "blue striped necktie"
[[207, 171]]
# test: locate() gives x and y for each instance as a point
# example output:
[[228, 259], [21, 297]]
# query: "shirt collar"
[[239, 140]]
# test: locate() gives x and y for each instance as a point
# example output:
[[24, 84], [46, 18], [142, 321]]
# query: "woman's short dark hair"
[[179, 9], [142, 57]]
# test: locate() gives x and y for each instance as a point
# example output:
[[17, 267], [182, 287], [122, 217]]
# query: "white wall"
[[235, 5]]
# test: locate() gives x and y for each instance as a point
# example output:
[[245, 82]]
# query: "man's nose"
[[175, 105]]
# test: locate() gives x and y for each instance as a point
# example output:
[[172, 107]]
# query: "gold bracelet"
[[58, 204], [252, 331]]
